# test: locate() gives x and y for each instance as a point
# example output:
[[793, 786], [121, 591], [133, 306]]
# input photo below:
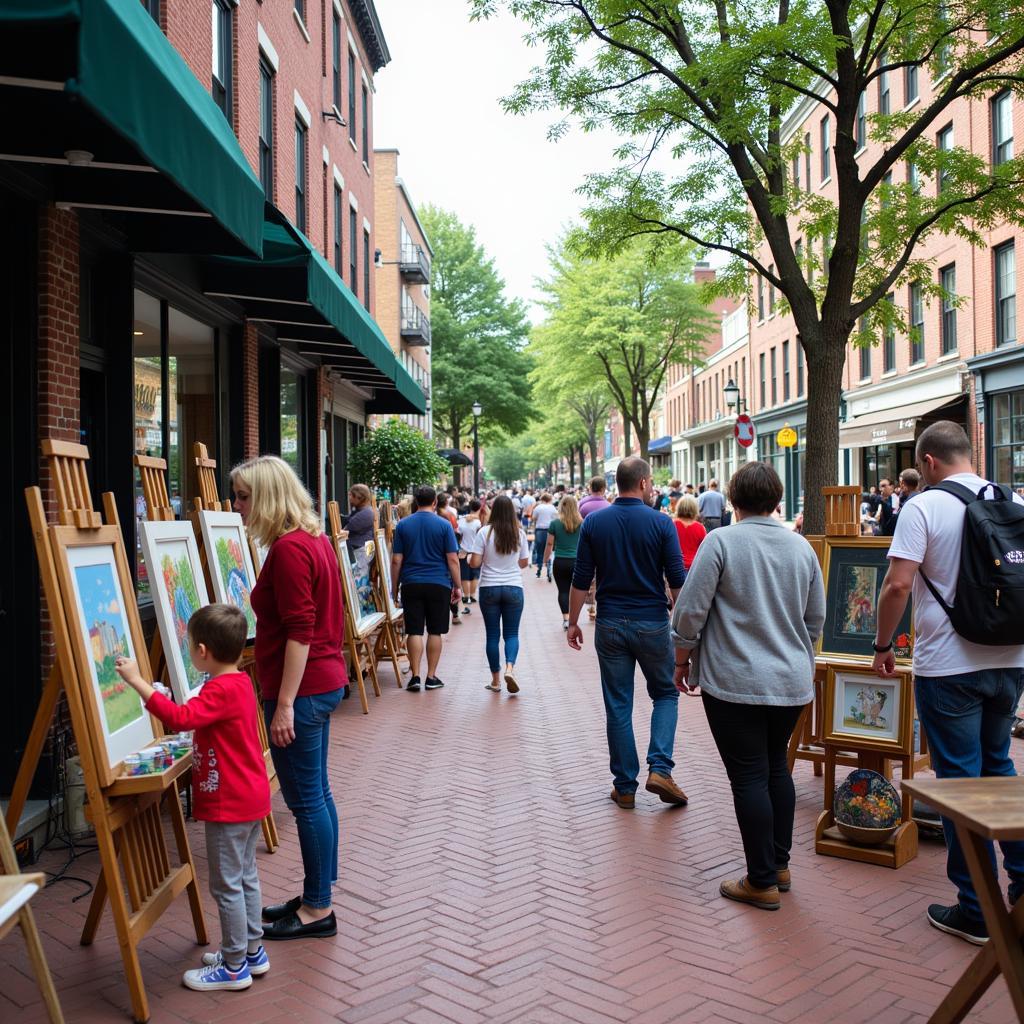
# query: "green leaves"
[[395, 458]]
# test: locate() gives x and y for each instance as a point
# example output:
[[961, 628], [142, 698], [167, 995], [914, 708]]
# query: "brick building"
[[187, 191]]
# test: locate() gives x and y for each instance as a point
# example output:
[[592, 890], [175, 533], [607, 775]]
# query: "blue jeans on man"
[[967, 719], [621, 645], [501, 608], [540, 542]]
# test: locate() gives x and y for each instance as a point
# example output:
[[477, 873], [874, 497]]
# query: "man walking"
[[966, 692], [633, 550], [596, 499], [711, 505], [888, 508], [425, 563]]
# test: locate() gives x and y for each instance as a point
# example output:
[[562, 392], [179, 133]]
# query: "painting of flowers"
[[232, 573]]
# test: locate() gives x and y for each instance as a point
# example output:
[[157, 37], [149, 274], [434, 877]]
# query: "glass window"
[[153, 7], [799, 368], [267, 128], [764, 382], [292, 420], [865, 353], [1002, 129], [366, 269], [336, 61], [826, 149], [807, 158], [889, 344], [1006, 295], [366, 126], [300, 9], [910, 87], [339, 231], [760, 297], [771, 290], [300, 175], [351, 95], [944, 143], [861, 127], [884, 100], [775, 380], [947, 279], [916, 324], [1007, 418], [223, 52], [353, 252], [913, 176], [785, 371], [796, 170]]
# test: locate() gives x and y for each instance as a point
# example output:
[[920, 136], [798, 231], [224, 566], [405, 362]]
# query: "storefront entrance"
[[884, 462]]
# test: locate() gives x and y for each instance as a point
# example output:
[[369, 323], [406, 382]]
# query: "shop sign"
[[786, 437]]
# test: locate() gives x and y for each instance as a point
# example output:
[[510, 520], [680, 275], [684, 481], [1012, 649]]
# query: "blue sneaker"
[[258, 962], [215, 977]]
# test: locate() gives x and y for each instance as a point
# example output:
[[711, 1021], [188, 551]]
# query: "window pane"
[[291, 408], [148, 400]]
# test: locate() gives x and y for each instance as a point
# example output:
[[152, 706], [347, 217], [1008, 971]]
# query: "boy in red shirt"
[[230, 788]]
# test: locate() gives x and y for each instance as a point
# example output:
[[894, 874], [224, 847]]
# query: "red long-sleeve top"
[[298, 597], [229, 775]]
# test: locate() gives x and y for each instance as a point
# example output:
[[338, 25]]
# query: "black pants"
[[752, 740], [562, 568]]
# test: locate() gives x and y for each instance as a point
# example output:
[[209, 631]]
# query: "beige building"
[[403, 260]]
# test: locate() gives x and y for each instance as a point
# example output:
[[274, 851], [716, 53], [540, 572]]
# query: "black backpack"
[[989, 598]]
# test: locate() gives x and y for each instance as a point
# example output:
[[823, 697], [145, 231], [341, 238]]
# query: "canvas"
[[178, 590], [363, 621], [232, 573], [384, 568], [868, 712], [102, 632], [364, 584]]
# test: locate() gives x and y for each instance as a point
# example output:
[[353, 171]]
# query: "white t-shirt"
[[929, 530], [528, 502], [469, 528], [500, 570], [543, 514]]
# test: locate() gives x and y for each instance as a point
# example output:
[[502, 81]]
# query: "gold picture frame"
[[864, 712]]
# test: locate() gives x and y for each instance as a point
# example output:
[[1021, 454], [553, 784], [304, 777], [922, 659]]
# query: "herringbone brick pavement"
[[487, 878]]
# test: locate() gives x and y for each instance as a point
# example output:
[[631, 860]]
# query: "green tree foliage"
[[396, 457], [478, 336], [614, 326], [711, 87], [506, 463]]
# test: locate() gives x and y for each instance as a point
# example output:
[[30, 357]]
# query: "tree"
[[713, 85], [396, 457], [506, 463], [477, 336], [614, 326]]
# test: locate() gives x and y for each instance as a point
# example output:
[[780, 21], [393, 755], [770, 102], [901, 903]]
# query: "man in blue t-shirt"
[[425, 564], [634, 550]]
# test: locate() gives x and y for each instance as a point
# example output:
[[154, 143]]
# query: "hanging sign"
[[786, 437], [744, 431]]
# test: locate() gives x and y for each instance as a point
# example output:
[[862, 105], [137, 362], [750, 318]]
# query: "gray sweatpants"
[[235, 885]]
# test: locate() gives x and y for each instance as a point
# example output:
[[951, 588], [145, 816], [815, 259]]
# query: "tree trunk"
[[643, 438], [456, 437], [583, 465], [592, 441], [626, 432], [572, 467]]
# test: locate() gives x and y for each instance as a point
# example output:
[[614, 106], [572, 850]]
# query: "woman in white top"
[[469, 527], [501, 552], [543, 513]]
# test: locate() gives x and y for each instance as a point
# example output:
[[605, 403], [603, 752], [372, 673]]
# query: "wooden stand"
[[842, 511], [128, 820], [394, 622]]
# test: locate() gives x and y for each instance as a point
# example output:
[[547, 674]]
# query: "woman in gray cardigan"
[[745, 626]]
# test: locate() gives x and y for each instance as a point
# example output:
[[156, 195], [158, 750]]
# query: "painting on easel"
[[231, 570], [179, 590]]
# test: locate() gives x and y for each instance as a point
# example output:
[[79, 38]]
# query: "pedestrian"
[[230, 790], [691, 533], [633, 550], [888, 507], [596, 499], [674, 494], [910, 485], [966, 692], [446, 511], [425, 565], [711, 505], [543, 514], [360, 521], [563, 537], [748, 618], [874, 499], [300, 629], [403, 509], [501, 552], [528, 502], [469, 526]]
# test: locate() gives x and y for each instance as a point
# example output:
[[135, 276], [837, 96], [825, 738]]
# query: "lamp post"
[[733, 400], [477, 410]]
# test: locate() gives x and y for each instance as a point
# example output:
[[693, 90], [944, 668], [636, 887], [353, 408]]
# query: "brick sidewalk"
[[487, 877]]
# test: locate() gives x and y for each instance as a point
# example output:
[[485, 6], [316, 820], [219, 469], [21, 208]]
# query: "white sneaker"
[[217, 977]]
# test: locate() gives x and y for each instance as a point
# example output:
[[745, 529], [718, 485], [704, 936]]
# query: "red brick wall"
[[251, 391]]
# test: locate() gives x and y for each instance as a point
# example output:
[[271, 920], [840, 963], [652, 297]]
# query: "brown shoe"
[[785, 879], [666, 788], [625, 800], [743, 892]]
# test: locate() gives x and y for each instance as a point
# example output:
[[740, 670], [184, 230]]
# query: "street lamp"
[[731, 392], [477, 410]]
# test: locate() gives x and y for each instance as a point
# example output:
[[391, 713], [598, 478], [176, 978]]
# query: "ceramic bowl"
[[869, 804], [866, 836]]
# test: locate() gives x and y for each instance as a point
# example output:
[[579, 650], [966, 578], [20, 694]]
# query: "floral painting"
[[231, 570]]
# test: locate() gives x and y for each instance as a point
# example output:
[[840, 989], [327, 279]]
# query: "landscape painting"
[[231, 570]]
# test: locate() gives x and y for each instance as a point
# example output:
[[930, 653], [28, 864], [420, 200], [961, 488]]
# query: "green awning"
[[99, 76], [295, 291]]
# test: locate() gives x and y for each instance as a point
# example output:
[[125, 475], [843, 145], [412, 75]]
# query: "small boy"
[[230, 788]]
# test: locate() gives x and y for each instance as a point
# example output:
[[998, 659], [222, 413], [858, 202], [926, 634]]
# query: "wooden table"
[[982, 809]]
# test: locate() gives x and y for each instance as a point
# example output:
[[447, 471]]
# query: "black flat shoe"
[[278, 910], [291, 927]]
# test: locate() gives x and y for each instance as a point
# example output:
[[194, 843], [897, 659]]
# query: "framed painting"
[[103, 625], [866, 712], [232, 573], [363, 619], [384, 569], [179, 589], [853, 569]]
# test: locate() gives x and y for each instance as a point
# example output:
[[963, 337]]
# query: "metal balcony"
[[415, 326], [413, 264]]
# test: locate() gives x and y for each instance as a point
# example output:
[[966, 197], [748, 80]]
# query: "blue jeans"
[[502, 608], [540, 542], [621, 645], [967, 719], [306, 787]]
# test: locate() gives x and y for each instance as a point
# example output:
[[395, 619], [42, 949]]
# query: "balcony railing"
[[413, 264], [415, 326]]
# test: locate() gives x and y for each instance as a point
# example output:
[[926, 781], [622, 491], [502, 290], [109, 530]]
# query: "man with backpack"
[[959, 547]]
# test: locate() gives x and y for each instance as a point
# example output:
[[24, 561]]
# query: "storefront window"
[[884, 462], [1007, 418], [291, 420]]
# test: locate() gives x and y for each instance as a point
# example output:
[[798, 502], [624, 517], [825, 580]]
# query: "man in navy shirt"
[[633, 550], [425, 562]]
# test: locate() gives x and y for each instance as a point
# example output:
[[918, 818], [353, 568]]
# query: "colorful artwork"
[[364, 620], [384, 568], [231, 569], [865, 712], [868, 709], [364, 584], [867, 800], [859, 589], [236, 583]]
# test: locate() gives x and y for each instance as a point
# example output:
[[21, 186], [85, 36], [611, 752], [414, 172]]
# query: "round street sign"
[[744, 431], [786, 437]]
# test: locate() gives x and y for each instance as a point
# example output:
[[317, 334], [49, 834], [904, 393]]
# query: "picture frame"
[[232, 574], [361, 621], [383, 556], [103, 624], [178, 587], [853, 569], [864, 712]]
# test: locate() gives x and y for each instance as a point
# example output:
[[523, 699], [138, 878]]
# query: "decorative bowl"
[[867, 807], [866, 836]]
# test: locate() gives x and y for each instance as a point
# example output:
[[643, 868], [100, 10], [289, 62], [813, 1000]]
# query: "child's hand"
[[128, 670]]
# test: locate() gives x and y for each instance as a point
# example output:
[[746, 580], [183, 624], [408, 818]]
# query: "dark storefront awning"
[[660, 446], [101, 107], [454, 457], [891, 426], [295, 291]]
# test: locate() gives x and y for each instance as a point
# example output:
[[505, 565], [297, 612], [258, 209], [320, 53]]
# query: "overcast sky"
[[437, 102]]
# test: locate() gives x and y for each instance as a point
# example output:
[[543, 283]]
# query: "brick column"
[[251, 391]]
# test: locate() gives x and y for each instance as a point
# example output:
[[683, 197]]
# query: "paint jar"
[[133, 765], [151, 760]]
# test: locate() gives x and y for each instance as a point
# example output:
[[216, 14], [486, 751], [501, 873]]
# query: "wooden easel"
[[394, 617], [126, 813], [208, 501]]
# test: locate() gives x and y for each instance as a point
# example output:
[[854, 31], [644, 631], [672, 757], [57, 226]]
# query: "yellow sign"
[[786, 437]]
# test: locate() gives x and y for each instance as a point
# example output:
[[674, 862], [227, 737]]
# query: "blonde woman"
[[563, 538], [300, 623]]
